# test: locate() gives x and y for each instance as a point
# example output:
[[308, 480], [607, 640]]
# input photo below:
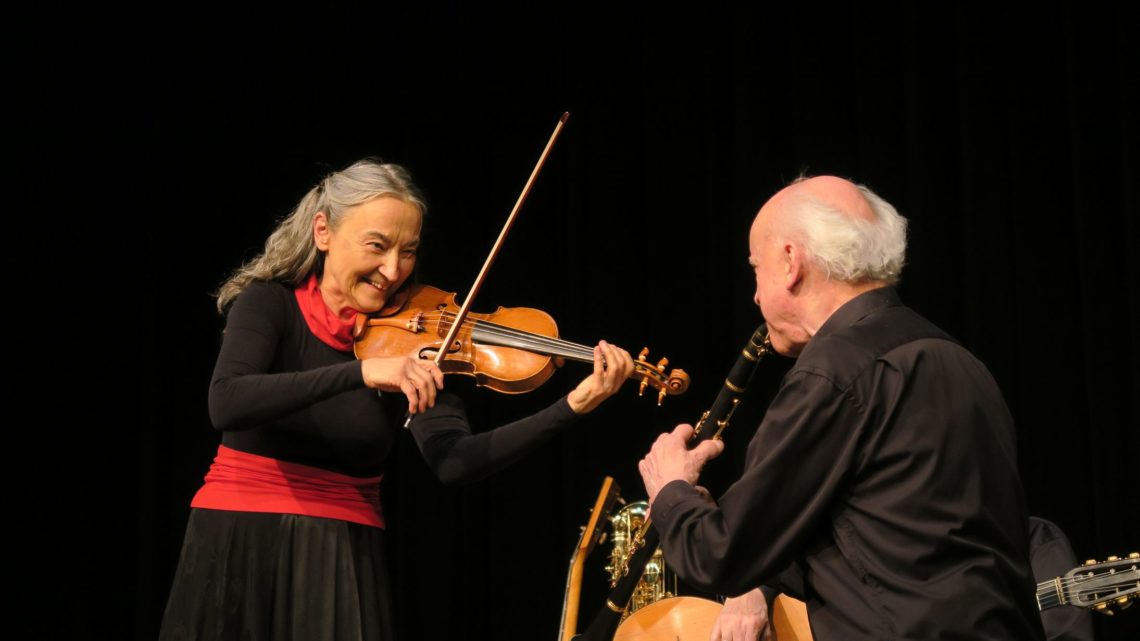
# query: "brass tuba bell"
[[656, 582]]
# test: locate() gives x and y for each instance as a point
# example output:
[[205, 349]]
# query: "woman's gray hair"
[[290, 254], [848, 248]]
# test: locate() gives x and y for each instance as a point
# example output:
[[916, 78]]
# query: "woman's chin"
[[370, 299]]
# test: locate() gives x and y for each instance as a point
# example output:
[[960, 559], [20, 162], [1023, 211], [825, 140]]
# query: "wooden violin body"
[[513, 350], [421, 325]]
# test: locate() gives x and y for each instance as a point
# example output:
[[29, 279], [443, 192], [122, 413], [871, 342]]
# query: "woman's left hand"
[[612, 366]]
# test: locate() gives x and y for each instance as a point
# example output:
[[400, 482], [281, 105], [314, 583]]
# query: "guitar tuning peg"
[[1113, 558], [1123, 602], [1090, 562], [1134, 555]]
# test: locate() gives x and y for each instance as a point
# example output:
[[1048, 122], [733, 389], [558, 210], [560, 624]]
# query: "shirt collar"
[[859, 308]]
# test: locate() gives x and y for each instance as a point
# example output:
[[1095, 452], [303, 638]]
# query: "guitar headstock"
[[665, 382], [1112, 583], [591, 533]]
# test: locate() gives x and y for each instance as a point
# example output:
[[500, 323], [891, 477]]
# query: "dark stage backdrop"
[[156, 151]]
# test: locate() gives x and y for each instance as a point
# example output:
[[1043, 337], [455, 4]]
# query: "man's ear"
[[793, 265]]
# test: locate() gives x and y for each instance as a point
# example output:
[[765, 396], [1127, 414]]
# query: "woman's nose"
[[390, 266]]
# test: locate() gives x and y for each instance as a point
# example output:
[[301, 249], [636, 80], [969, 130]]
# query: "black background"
[[151, 153]]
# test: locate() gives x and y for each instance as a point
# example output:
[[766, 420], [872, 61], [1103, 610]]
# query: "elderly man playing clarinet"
[[881, 487]]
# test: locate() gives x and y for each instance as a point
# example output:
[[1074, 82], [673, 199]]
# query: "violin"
[[512, 350]]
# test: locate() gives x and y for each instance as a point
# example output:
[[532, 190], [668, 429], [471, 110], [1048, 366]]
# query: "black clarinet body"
[[711, 424]]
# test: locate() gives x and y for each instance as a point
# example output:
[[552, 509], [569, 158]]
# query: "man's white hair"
[[848, 248]]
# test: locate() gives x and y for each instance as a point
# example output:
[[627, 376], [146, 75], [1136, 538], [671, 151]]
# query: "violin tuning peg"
[[660, 397], [641, 388], [661, 364]]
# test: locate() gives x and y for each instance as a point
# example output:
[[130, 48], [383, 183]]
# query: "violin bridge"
[[415, 324]]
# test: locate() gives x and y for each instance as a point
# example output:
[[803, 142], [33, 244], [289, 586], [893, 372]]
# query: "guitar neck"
[[1050, 594], [590, 536], [1095, 586]]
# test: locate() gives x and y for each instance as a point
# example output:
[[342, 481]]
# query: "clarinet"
[[644, 544]]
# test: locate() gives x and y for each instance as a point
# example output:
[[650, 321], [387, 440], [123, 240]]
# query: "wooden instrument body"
[[421, 324], [686, 618]]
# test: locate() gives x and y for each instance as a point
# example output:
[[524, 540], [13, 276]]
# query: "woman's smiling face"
[[369, 255]]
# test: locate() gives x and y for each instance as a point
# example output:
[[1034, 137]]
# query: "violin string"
[[536, 340], [562, 347], [503, 330], [540, 342], [537, 344]]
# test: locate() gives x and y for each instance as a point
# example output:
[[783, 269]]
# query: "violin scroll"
[[666, 383]]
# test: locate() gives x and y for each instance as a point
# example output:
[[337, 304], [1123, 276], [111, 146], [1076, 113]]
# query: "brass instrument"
[[656, 582], [641, 548]]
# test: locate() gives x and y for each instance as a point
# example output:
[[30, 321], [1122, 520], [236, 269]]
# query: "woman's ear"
[[321, 231]]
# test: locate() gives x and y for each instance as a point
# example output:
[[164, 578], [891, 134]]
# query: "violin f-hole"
[[431, 352]]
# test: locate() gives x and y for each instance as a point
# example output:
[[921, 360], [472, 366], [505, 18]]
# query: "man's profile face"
[[769, 268]]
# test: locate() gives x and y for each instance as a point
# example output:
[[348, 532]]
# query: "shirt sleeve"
[[444, 436], [795, 466], [242, 392]]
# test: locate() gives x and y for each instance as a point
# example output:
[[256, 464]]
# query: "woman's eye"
[[408, 253], [377, 246]]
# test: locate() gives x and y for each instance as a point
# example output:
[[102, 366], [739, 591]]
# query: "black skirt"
[[278, 577]]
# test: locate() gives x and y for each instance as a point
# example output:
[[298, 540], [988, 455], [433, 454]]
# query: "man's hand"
[[744, 618], [671, 460]]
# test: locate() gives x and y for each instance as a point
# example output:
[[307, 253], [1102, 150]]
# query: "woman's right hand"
[[417, 378]]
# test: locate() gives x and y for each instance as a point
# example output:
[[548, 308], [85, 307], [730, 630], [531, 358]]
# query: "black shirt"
[[881, 487]]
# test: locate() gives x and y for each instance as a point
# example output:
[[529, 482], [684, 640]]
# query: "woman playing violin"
[[285, 538]]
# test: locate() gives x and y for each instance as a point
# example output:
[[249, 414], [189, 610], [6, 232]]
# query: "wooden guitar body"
[[687, 618]]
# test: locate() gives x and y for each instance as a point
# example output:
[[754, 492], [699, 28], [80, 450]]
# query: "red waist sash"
[[242, 482]]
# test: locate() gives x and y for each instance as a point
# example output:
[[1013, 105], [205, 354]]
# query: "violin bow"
[[474, 291]]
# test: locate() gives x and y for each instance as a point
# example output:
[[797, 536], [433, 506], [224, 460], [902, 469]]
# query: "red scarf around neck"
[[333, 330]]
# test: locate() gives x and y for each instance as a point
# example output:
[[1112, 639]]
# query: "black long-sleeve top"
[[881, 487], [279, 391]]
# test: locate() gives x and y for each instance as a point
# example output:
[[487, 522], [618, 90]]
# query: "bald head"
[[834, 193], [815, 245], [843, 228], [839, 194]]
